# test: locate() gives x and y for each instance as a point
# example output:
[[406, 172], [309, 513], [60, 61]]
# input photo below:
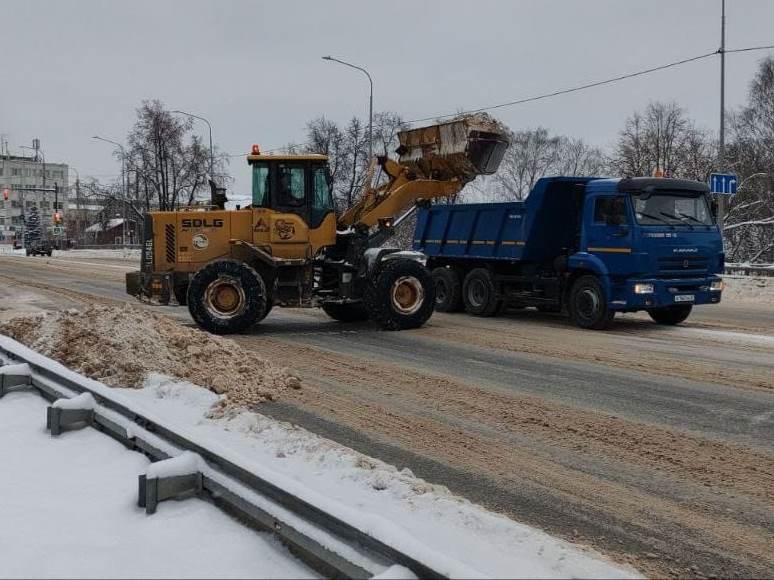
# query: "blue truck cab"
[[586, 246]]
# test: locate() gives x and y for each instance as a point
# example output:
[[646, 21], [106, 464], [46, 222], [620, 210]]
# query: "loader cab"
[[297, 184]]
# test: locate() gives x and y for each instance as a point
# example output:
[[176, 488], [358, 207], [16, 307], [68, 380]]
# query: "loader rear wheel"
[[448, 290], [351, 312], [402, 296], [227, 296], [480, 294]]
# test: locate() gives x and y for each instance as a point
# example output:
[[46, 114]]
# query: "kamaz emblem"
[[202, 223]]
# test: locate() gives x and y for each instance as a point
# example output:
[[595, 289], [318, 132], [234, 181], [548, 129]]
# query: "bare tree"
[[663, 138], [169, 163], [347, 150], [749, 226]]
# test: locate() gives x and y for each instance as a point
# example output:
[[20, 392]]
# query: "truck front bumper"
[[666, 292]]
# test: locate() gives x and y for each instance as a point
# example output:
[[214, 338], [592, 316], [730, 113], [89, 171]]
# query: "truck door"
[[609, 232]]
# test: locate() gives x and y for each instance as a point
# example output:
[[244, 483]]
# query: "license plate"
[[684, 298]]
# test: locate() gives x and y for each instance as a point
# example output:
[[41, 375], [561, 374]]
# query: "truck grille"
[[683, 266], [169, 234]]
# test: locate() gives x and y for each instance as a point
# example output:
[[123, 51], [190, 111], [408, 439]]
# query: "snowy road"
[[68, 509], [657, 442]]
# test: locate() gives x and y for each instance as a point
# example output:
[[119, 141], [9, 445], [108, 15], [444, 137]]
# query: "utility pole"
[[722, 134]]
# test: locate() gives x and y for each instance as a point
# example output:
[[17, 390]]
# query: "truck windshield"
[[674, 209]]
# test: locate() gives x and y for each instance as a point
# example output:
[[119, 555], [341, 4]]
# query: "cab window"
[[291, 187], [260, 185], [322, 202], [610, 210], [322, 191]]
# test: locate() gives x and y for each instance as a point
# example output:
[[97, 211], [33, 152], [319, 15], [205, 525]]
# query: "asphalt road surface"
[[653, 444]]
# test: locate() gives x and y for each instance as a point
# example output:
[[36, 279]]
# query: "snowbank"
[[121, 346], [749, 289], [391, 503], [68, 510]]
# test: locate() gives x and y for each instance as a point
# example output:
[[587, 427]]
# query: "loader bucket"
[[462, 148]]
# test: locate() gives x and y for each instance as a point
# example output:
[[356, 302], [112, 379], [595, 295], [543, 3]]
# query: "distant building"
[[29, 182]]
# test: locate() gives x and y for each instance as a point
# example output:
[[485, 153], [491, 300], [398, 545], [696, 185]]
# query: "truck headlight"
[[717, 286], [643, 288]]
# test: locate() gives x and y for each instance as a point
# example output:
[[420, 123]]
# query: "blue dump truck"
[[585, 246]]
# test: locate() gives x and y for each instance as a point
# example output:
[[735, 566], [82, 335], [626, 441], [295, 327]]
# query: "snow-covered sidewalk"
[[68, 510]]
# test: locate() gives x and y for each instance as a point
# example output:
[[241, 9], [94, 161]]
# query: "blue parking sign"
[[723, 183]]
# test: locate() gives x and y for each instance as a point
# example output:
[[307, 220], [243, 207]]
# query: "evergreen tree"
[[32, 232]]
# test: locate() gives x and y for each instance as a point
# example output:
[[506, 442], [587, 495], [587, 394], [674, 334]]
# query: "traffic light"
[[57, 218], [6, 194]]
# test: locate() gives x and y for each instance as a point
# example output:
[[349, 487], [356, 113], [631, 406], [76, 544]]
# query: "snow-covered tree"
[[32, 230]]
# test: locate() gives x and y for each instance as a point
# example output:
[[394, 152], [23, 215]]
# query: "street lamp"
[[370, 103], [209, 126], [123, 178]]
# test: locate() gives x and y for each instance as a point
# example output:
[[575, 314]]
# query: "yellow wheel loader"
[[288, 248]]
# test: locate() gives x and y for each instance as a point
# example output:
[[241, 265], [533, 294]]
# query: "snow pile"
[[749, 289], [122, 346], [392, 504], [84, 401], [184, 464]]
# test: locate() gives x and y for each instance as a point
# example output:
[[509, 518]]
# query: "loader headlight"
[[717, 286], [643, 288]]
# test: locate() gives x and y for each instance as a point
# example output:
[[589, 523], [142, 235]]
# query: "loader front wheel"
[[402, 296], [227, 296]]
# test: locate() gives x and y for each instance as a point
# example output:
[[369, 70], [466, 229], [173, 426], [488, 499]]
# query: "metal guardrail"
[[761, 270], [314, 539]]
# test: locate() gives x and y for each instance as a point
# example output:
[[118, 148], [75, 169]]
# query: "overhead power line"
[[559, 92]]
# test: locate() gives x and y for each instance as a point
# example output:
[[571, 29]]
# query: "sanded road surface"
[[653, 444]]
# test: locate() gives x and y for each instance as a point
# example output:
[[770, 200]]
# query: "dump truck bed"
[[535, 229]]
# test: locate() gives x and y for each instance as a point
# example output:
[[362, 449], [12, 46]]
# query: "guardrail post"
[[151, 491], [57, 418], [12, 380]]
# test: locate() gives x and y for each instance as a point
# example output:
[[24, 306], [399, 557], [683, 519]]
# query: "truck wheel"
[[448, 290], [27, 252], [480, 294], [227, 296], [402, 296], [671, 314], [588, 306], [351, 312]]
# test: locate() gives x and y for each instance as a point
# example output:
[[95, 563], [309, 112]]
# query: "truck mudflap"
[[658, 293]]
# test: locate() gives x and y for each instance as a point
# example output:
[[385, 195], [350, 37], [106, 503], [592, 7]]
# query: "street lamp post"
[[209, 126], [370, 103], [123, 180]]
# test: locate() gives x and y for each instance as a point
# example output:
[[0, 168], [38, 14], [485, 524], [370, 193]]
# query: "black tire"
[[588, 306], [401, 295], [351, 312], [671, 314], [448, 290], [479, 293], [227, 296]]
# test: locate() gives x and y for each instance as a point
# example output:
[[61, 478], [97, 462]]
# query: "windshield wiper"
[[690, 217], [654, 217], [673, 216]]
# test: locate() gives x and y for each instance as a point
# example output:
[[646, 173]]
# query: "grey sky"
[[74, 69]]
